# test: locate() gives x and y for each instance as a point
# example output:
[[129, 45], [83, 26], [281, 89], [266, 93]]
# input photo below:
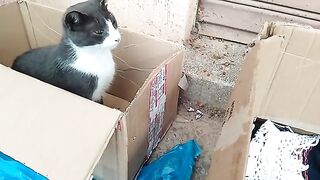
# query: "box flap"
[[279, 80], [113, 164], [141, 127], [56, 133], [230, 153], [12, 31], [115, 102], [136, 57], [294, 89]]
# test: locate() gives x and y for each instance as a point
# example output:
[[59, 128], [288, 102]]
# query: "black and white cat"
[[82, 62]]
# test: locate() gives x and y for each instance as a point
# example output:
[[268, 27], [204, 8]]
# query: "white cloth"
[[277, 155]]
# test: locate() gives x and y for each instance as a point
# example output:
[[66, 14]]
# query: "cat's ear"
[[74, 20], [102, 3]]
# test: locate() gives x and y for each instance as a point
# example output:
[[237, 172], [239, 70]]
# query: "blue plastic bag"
[[11, 169], [176, 164]]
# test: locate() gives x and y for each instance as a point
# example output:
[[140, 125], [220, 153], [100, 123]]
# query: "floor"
[[212, 67], [204, 130]]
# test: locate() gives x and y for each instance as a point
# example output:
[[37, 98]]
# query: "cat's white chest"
[[96, 61]]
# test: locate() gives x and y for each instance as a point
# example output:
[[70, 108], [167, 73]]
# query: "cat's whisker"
[[130, 45]]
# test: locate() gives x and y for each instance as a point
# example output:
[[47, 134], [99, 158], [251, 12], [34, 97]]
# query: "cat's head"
[[90, 23]]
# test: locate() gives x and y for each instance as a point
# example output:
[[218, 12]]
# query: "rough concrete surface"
[[205, 131], [3, 2], [212, 66], [165, 19]]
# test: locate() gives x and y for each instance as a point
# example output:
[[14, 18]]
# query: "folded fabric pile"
[[277, 153]]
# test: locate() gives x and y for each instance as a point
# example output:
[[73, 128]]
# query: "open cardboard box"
[[280, 81], [64, 136]]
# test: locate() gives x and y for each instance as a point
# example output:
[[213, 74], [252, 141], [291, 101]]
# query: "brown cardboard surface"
[[280, 81], [230, 152], [136, 57], [12, 31], [114, 161], [63, 135], [46, 24], [294, 93], [27, 23], [115, 102], [139, 58], [138, 114]]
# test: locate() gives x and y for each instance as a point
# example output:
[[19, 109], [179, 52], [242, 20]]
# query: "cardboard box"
[[279, 81], [64, 136]]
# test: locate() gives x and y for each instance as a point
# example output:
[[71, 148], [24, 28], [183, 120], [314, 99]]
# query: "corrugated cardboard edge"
[[12, 33], [122, 146], [113, 163], [99, 155]]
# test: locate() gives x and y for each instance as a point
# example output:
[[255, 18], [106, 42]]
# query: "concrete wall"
[[241, 20], [167, 19]]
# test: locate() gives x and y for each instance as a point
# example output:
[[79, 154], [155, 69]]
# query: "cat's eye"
[[98, 32]]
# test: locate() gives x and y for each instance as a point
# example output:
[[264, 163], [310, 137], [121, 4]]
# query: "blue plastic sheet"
[[176, 164], [11, 169]]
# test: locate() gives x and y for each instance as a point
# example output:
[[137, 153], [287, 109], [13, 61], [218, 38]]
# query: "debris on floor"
[[178, 163], [205, 131], [191, 109], [199, 114]]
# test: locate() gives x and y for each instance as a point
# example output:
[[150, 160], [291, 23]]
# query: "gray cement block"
[[212, 67]]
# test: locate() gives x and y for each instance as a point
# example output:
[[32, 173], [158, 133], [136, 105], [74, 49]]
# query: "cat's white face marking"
[[114, 37], [97, 60]]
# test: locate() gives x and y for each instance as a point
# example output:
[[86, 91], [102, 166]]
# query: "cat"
[[82, 62]]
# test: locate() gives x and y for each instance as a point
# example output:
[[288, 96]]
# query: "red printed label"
[[157, 101]]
